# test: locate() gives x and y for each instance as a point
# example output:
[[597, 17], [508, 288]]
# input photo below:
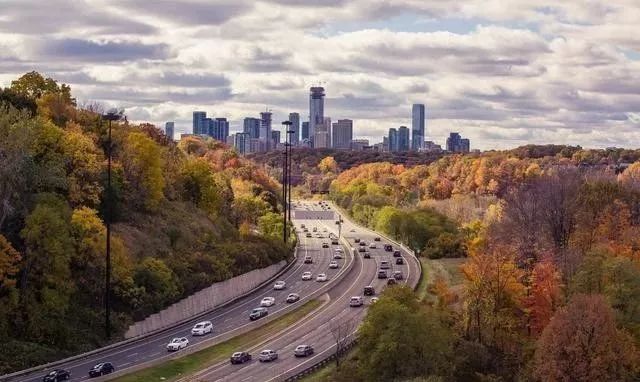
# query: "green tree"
[[143, 162], [159, 283], [271, 225], [33, 85]]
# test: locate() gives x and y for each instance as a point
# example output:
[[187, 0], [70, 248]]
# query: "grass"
[[449, 269], [181, 367]]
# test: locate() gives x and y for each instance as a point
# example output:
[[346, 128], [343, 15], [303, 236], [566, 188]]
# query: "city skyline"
[[502, 75]]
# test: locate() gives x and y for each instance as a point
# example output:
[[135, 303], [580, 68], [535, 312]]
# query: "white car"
[[306, 276], [337, 256], [267, 301], [268, 356], [372, 245], [177, 344], [279, 285], [338, 249], [202, 328], [321, 277], [333, 264]]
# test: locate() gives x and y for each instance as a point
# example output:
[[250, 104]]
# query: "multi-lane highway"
[[317, 330], [234, 317]]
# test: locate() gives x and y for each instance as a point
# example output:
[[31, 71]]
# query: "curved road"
[[317, 330], [227, 319]]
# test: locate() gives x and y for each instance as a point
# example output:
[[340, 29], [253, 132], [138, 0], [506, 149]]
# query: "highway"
[[317, 330], [227, 319]]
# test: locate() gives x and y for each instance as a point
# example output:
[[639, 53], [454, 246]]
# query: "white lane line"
[[126, 364], [131, 355]]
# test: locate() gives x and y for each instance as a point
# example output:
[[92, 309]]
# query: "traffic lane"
[[155, 346]]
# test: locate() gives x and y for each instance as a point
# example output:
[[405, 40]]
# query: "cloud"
[[73, 49], [189, 12]]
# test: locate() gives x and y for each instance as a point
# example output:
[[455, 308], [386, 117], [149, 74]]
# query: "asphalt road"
[[317, 330], [232, 317]]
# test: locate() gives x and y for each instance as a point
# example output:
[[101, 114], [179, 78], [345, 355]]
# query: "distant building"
[[431, 146], [200, 126], [304, 131], [316, 111], [379, 147], [393, 139], [342, 134], [327, 127], [294, 118], [254, 145], [251, 126], [418, 120], [403, 138], [385, 143], [457, 144], [231, 140], [322, 135], [275, 138], [359, 144], [265, 131], [169, 129], [221, 130], [242, 143]]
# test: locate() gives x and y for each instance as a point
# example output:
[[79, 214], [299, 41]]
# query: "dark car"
[[369, 290], [334, 242], [356, 240], [396, 253], [303, 350], [258, 313], [56, 375], [308, 234], [367, 255], [325, 245], [363, 244], [240, 357], [101, 369], [399, 261], [362, 249], [382, 274], [391, 281], [388, 247], [398, 275], [377, 238]]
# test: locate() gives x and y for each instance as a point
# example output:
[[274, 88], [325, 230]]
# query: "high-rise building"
[[322, 136], [208, 127], [457, 144], [169, 129], [393, 139], [316, 111], [304, 131], [294, 118], [219, 129], [275, 138], [265, 130], [359, 144], [251, 126], [385, 143], [403, 138], [242, 143], [200, 126], [342, 134], [418, 120]]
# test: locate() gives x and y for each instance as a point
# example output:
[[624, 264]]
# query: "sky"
[[501, 72]]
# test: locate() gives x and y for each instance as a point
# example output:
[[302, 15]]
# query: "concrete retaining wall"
[[204, 300]]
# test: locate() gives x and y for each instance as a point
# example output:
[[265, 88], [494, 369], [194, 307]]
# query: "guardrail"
[[319, 365]]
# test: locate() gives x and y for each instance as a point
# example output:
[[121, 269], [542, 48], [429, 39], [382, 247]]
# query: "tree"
[[581, 343], [343, 333], [143, 162], [9, 259], [545, 295], [271, 225], [33, 85], [328, 165], [159, 283], [83, 165]]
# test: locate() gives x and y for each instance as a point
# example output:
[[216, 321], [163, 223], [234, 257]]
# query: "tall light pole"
[[111, 115], [289, 134], [339, 223], [285, 179]]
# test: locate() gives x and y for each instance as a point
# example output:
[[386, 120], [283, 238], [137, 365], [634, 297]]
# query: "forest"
[[551, 280], [183, 216]]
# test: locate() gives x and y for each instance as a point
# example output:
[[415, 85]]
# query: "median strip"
[[181, 367]]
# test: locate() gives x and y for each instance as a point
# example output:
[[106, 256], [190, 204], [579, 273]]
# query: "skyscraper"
[[418, 118], [169, 129], [294, 118], [304, 131], [265, 130], [316, 110], [322, 136], [221, 130], [208, 127], [275, 138], [252, 127], [199, 124], [242, 143], [457, 144], [403, 138], [393, 139], [342, 134]]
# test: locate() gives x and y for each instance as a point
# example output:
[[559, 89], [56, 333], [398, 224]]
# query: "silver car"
[[268, 356]]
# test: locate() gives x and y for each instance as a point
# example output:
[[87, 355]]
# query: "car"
[[177, 344], [369, 290], [202, 328], [240, 357], [319, 235], [338, 249], [322, 277], [101, 369], [382, 274], [293, 297], [333, 264], [308, 235], [374, 300], [377, 238], [306, 276], [362, 249], [353, 230], [279, 285], [372, 246], [398, 275], [356, 240], [362, 243], [302, 226], [56, 375], [356, 301], [399, 261], [303, 350], [391, 281], [325, 245], [315, 229], [367, 255], [268, 356], [334, 242], [267, 301], [337, 256], [384, 264], [397, 253], [388, 247], [308, 260], [324, 230], [258, 313], [305, 230]]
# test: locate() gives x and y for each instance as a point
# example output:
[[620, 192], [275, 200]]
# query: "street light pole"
[[285, 180], [289, 133]]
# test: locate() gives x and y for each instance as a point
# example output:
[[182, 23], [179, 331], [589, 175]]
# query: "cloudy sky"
[[501, 72]]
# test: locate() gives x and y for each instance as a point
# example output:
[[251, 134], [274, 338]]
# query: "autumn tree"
[[83, 165], [328, 165], [9, 259], [143, 161], [545, 295], [581, 343]]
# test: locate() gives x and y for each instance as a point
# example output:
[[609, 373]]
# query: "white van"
[[356, 301]]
